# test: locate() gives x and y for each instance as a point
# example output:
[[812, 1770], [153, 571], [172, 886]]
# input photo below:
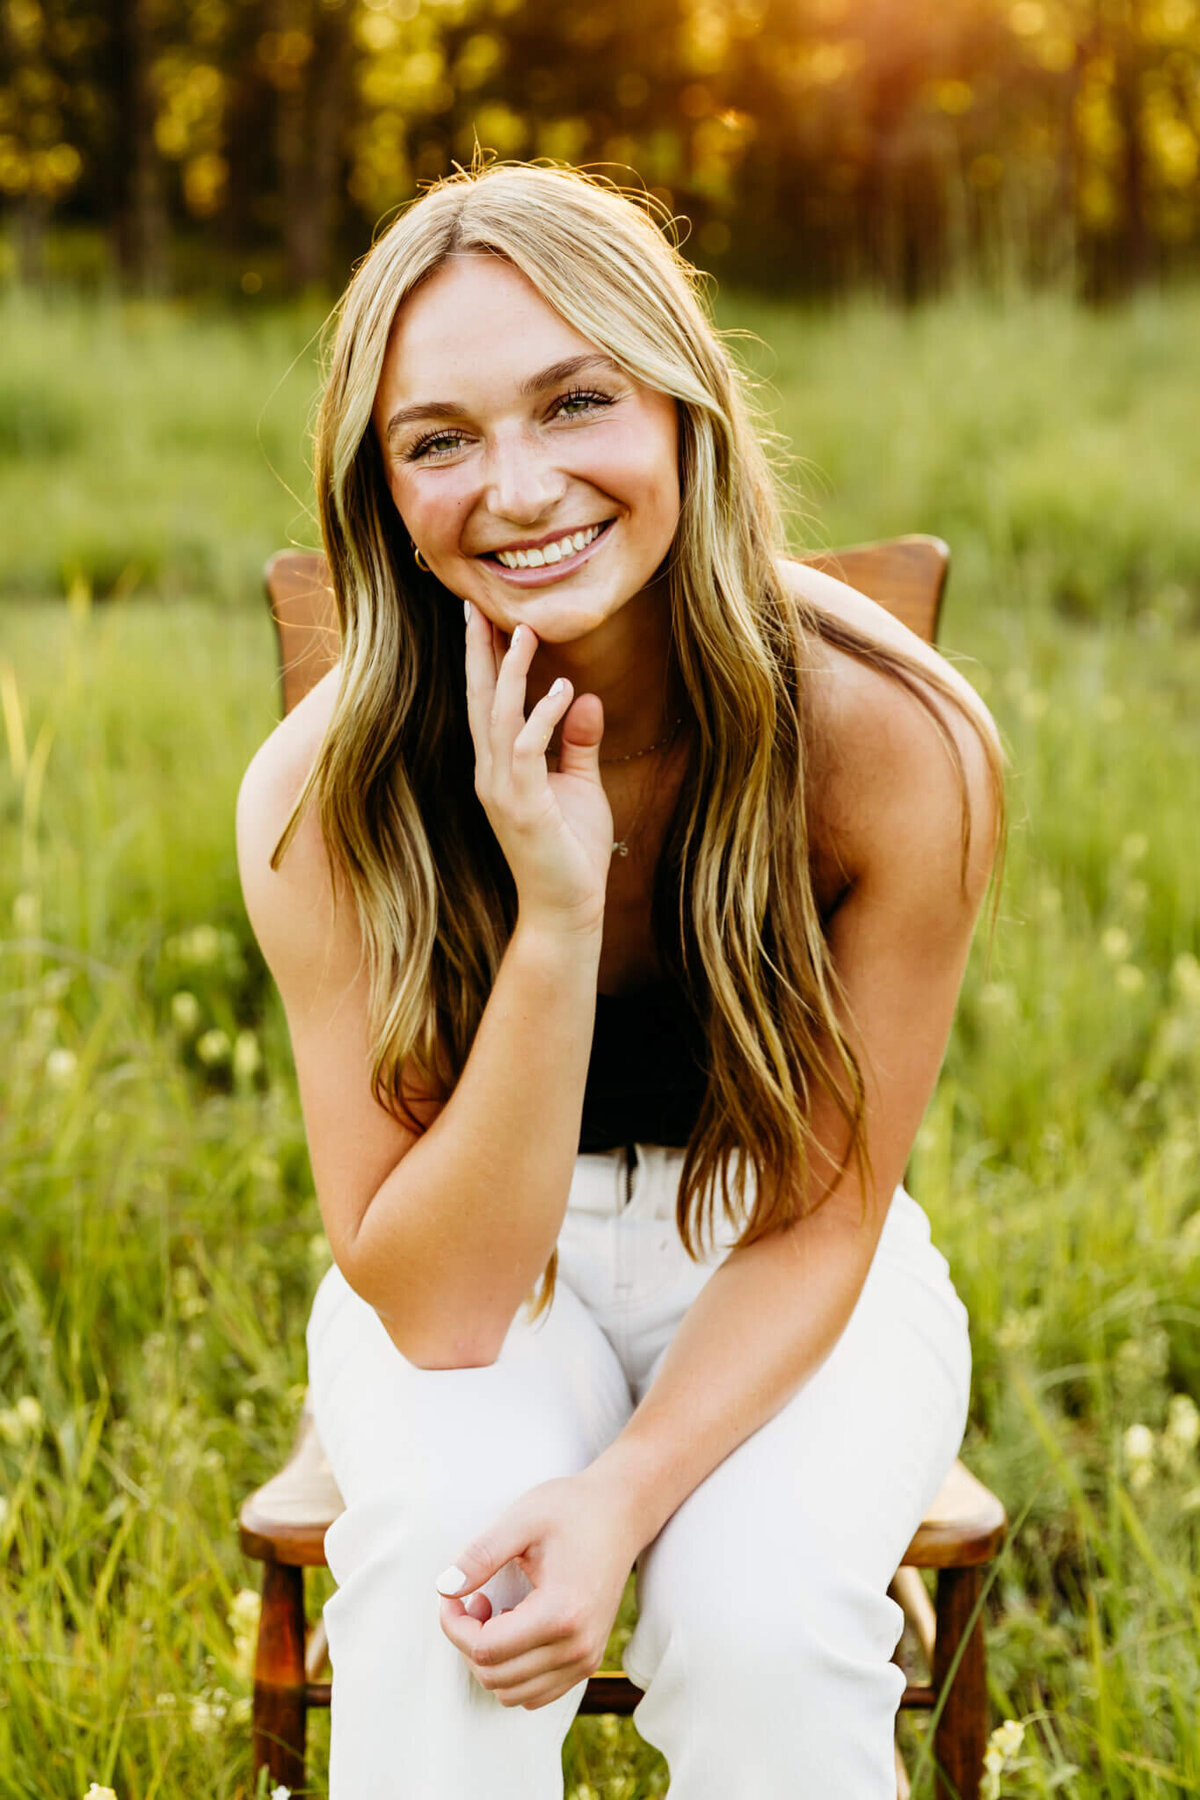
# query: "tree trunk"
[[141, 226]]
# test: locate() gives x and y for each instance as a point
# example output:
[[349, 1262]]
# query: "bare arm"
[[446, 1232], [772, 1312]]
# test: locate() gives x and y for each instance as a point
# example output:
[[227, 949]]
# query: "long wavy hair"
[[735, 918]]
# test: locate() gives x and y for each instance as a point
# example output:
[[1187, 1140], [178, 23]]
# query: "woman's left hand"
[[576, 1540]]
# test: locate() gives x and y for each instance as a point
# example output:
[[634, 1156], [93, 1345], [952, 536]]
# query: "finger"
[[479, 1607], [542, 1692], [508, 1537], [460, 1626], [481, 685], [531, 1625], [582, 732], [508, 699], [533, 740], [534, 1665]]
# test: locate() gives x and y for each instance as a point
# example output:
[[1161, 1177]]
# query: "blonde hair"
[[735, 916]]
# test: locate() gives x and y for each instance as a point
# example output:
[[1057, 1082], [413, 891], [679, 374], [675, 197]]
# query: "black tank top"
[[647, 1071]]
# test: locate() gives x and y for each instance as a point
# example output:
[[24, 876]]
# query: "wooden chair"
[[283, 1524]]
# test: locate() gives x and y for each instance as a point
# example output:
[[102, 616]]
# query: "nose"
[[523, 484]]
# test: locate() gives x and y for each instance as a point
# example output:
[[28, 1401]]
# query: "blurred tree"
[[817, 143]]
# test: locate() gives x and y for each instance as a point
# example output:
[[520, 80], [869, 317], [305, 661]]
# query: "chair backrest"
[[907, 575]]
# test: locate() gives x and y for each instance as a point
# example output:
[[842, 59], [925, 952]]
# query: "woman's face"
[[509, 439]]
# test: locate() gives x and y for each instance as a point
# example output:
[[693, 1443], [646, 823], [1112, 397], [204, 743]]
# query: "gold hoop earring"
[[419, 559]]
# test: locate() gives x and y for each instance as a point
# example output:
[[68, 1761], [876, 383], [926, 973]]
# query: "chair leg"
[[279, 1695], [961, 1736]]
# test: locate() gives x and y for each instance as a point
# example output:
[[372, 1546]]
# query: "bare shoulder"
[[291, 908], [887, 785]]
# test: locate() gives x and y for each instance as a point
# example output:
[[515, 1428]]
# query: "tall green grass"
[[159, 1241]]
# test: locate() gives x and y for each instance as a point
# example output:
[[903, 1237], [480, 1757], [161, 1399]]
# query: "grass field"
[[160, 1241]]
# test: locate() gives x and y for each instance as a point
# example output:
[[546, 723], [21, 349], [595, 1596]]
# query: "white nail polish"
[[451, 1581], [557, 686], [515, 638], [466, 609]]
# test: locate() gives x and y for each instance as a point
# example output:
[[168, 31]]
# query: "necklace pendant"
[[621, 848]]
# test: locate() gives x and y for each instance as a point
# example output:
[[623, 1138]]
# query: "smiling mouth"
[[555, 551]]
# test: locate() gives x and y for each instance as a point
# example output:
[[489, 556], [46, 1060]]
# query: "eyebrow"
[[531, 386]]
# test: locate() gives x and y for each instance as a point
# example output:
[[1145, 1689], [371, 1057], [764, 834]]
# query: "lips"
[[547, 561]]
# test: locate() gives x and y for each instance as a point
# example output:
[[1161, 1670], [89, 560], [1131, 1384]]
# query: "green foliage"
[[159, 1240]]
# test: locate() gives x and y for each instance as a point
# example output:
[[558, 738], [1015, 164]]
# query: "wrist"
[[628, 1480], [559, 940]]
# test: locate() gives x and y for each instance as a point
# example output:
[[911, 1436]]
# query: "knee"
[[810, 1640]]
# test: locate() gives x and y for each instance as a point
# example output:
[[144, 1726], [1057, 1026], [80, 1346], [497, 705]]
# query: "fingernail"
[[466, 609], [557, 686], [451, 1581], [515, 638]]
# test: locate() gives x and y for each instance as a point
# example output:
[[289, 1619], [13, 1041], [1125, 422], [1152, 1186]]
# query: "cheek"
[[429, 510]]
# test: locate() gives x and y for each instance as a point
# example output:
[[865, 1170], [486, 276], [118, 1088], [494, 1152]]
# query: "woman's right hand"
[[555, 830]]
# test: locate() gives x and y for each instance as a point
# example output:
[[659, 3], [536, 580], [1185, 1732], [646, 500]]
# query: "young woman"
[[618, 883]]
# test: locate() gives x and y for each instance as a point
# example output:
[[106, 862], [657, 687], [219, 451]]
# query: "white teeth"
[[549, 553]]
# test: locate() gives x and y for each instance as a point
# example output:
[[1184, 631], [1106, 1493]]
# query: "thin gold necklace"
[[621, 845]]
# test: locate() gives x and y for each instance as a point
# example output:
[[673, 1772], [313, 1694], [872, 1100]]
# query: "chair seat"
[[286, 1519]]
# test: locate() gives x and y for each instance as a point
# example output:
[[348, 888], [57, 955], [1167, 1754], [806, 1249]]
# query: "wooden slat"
[[963, 1528], [909, 1590], [317, 1654], [286, 1519], [305, 615], [906, 574]]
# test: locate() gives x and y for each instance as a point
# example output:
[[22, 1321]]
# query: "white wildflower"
[[213, 1047], [29, 1410], [999, 997], [186, 1288], [247, 1057], [1018, 1330], [1185, 973], [1179, 1440], [60, 1067], [96, 1792], [1138, 1444], [199, 946], [1002, 1747], [185, 1012], [203, 1717], [27, 914]]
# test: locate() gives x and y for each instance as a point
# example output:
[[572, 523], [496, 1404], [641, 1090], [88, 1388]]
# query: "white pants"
[[765, 1631]]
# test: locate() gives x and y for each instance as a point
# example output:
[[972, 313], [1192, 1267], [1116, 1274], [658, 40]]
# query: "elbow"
[[470, 1348], [429, 1331], [446, 1338]]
